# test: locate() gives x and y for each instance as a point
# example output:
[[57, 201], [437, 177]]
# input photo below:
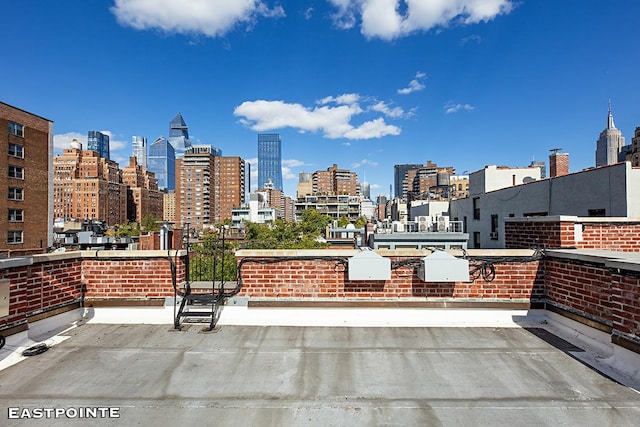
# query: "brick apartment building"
[[25, 183], [143, 196], [335, 181], [208, 187], [87, 186]]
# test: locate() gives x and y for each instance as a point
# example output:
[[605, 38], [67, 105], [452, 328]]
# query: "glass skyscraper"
[[179, 135], [269, 160], [98, 142], [162, 162], [139, 150]]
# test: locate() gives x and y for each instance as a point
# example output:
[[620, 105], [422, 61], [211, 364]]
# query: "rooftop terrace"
[[407, 367], [546, 341]]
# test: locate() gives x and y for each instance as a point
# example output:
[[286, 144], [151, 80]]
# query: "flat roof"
[[403, 367]]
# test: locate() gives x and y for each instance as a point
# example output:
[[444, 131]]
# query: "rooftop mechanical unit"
[[441, 266], [368, 265]]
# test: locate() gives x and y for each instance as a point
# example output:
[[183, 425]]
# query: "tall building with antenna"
[[610, 143]]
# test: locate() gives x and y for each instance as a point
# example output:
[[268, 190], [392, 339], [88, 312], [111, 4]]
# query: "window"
[[16, 193], [14, 237], [16, 129], [15, 215], [476, 208], [530, 214], [16, 150], [16, 172], [597, 212], [494, 227]]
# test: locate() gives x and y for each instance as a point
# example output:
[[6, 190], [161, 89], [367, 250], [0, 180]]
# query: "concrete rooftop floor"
[[531, 372]]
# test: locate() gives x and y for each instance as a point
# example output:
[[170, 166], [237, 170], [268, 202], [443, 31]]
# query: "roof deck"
[[320, 367]]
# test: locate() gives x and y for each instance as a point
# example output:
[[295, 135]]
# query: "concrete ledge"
[[509, 305], [124, 302], [577, 219], [592, 323], [617, 260], [625, 342], [52, 312]]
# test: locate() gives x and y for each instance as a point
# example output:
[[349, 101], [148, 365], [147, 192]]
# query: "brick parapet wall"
[[602, 289], [613, 234], [287, 278], [38, 284], [44, 283]]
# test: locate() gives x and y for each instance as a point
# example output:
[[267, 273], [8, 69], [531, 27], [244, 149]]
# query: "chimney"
[[558, 163]]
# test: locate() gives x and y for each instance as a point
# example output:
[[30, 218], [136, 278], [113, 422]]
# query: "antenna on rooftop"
[[555, 150]]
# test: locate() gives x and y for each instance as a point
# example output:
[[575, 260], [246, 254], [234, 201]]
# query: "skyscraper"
[[208, 187], [269, 160], [139, 150], [162, 162], [98, 142], [179, 136], [399, 172], [609, 144]]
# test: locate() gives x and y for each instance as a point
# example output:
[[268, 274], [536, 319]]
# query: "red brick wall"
[[128, 278], [623, 237], [49, 283], [525, 235], [613, 236], [624, 305], [41, 286], [581, 288], [327, 279], [609, 297]]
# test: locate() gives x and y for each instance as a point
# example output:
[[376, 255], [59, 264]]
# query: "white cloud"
[[115, 144], [345, 17], [415, 85], [474, 38], [332, 121], [372, 129], [390, 19], [451, 107], [308, 14], [364, 162], [206, 17], [393, 112], [63, 140], [344, 99], [293, 163], [288, 174]]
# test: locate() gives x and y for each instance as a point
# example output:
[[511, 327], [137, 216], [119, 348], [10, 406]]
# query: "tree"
[[281, 234], [313, 222], [343, 221], [361, 222], [151, 223], [124, 230]]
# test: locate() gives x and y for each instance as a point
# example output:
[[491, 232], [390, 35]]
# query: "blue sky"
[[365, 84]]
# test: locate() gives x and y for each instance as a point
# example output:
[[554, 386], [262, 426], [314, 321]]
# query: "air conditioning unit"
[[442, 224], [493, 235], [423, 227]]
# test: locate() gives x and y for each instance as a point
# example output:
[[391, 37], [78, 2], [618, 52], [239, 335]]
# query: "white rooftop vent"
[[368, 265], [443, 267]]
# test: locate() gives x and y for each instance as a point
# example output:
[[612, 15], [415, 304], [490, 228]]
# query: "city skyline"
[[498, 82]]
